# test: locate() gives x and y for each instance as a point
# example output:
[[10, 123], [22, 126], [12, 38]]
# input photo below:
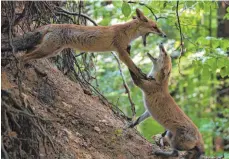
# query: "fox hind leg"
[[193, 153], [173, 153], [40, 52]]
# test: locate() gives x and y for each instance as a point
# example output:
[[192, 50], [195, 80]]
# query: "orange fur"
[[94, 38], [184, 135]]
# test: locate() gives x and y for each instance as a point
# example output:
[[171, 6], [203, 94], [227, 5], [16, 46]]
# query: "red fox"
[[56, 37], [182, 133]]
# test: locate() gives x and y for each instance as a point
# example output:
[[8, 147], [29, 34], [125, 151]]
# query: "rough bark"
[[223, 25]]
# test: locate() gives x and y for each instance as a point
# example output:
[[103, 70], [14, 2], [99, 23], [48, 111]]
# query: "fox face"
[[162, 66], [147, 26], [160, 73]]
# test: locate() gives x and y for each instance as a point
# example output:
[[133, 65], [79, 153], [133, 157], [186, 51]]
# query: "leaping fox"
[[56, 37]]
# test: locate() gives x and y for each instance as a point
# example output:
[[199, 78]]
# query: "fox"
[[181, 133], [56, 37]]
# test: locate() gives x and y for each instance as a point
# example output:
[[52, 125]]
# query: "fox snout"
[[158, 31], [162, 49], [163, 35]]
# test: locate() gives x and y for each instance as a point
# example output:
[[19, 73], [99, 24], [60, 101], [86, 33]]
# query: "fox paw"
[[129, 125]]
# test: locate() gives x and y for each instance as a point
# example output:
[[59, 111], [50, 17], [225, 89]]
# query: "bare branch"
[[125, 85], [73, 13], [181, 37], [66, 15], [6, 156], [149, 8]]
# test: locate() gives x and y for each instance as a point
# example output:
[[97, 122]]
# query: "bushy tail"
[[25, 42]]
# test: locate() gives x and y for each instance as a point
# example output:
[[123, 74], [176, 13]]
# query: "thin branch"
[[149, 8], [73, 13], [13, 110], [181, 38], [80, 6], [6, 156], [226, 90], [125, 85], [66, 15]]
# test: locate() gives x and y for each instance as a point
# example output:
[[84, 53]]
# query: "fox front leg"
[[145, 115], [125, 58]]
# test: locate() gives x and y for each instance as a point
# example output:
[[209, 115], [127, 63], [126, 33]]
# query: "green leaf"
[[197, 66], [223, 72], [228, 9], [126, 10], [224, 43], [201, 4], [226, 16], [221, 62], [206, 74], [105, 22], [212, 63], [215, 43]]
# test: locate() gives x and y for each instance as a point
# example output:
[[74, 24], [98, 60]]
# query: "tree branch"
[[73, 13], [125, 85], [181, 37], [149, 8], [4, 150]]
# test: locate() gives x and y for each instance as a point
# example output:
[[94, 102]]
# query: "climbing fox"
[[182, 133], [56, 37]]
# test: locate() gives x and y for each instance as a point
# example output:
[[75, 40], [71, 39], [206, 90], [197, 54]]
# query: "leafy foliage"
[[126, 10], [205, 63]]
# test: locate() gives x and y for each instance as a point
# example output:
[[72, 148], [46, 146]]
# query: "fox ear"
[[141, 16]]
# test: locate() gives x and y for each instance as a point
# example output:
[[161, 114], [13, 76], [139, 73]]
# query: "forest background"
[[199, 81], [197, 40]]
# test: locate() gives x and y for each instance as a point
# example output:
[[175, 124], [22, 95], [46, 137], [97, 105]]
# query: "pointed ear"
[[141, 16]]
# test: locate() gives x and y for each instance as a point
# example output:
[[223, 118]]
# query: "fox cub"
[[182, 133], [56, 37]]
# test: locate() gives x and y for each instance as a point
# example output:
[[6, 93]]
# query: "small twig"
[[83, 15], [14, 120], [149, 8], [80, 6], [66, 15], [4, 104], [6, 122], [181, 38], [125, 85], [226, 90], [46, 135], [6, 156]]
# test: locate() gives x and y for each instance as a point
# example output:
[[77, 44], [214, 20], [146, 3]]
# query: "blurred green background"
[[203, 91]]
